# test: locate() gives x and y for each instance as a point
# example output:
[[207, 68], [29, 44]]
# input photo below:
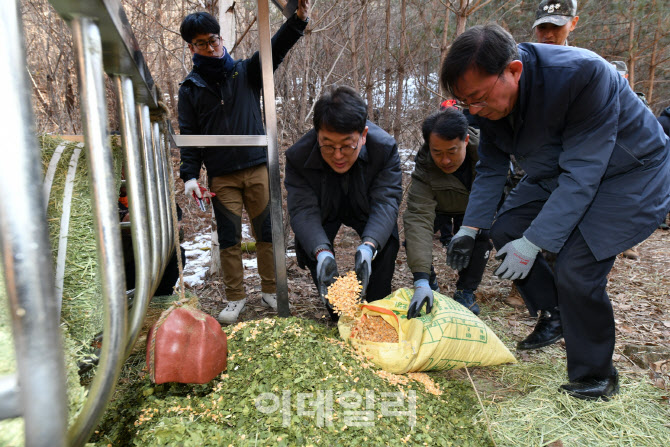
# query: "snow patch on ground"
[[406, 160], [199, 257]]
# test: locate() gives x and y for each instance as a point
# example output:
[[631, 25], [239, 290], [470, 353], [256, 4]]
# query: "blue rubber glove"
[[423, 294], [518, 257], [460, 248], [326, 272], [363, 266]]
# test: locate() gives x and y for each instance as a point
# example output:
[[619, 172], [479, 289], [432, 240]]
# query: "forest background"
[[388, 50]]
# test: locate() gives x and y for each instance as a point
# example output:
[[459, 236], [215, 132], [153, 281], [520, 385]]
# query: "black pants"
[[576, 286], [471, 276], [383, 265]]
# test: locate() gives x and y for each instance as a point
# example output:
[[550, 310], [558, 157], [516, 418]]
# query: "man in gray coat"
[[441, 183], [598, 182], [345, 171]]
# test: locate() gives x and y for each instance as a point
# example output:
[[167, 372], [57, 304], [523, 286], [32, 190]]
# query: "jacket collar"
[[197, 79]]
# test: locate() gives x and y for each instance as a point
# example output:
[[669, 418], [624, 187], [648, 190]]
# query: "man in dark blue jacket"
[[598, 182], [221, 96], [345, 171]]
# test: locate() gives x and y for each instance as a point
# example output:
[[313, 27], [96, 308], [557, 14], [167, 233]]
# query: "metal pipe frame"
[[10, 405], [276, 213], [169, 187], [137, 198], [161, 185], [219, 140], [26, 255], [120, 51], [88, 49], [152, 193]]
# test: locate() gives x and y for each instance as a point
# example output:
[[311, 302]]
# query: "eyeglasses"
[[214, 42], [481, 103], [346, 150]]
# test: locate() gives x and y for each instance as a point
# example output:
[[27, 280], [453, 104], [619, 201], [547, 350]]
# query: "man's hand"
[[363, 266], [326, 272], [518, 257], [303, 10], [460, 248], [199, 193], [422, 295], [192, 187]]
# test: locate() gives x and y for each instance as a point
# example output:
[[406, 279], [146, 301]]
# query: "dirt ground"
[[639, 291]]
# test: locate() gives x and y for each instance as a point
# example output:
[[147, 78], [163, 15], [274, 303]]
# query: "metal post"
[[139, 223], [26, 253], [278, 245], [88, 48], [152, 193], [169, 186], [161, 198]]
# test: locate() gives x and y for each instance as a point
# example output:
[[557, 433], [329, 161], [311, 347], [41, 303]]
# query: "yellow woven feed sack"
[[450, 337]]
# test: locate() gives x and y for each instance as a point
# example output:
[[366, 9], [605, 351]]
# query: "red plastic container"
[[190, 347]]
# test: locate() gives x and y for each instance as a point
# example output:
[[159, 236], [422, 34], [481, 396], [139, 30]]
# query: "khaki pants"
[[249, 188]]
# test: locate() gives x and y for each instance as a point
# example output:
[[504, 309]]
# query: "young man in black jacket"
[[221, 96], [345, 171]]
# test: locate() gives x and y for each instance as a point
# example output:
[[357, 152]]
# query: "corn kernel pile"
[[374, 328], [344, 295]]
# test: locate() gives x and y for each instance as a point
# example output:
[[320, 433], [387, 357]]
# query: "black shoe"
[[593, 389], [547, 331], [467, 299]]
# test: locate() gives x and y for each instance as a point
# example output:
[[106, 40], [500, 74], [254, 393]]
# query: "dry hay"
[[538, 414]]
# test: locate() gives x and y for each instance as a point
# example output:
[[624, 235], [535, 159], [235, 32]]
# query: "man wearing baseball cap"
[[555, 20]]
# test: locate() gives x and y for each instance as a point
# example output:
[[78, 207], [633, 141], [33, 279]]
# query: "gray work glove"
[[518, 257], [326, 272], [423, 294], [363, 266], [460, 248]]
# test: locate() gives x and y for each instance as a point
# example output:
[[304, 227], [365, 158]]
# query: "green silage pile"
[[81, 315], [82, 295], [11, 430], [291, 382]]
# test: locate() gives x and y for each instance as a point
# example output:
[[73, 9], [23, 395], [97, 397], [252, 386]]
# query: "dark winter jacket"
[[590, 149], [231, 107], [314, 190], [664, 119], [433, 191]]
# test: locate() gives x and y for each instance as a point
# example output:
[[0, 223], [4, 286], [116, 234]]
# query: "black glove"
[[326, 272], [422, 295], [363, 266], [460, 248]]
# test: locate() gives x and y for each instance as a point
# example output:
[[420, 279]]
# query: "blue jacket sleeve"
[[588, 141], [487, 189]]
